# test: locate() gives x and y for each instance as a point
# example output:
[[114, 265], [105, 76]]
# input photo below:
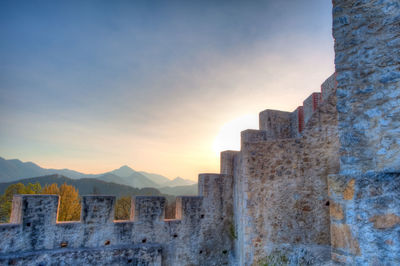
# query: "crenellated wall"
[[281, 205], [200, 234], [317, 184], [270, 197]]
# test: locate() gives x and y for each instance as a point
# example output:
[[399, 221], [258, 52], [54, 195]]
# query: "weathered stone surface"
[[310, 105], [328, 87], [372, 216], [367, 58], [200, 235], [336, 211], [348, 192], [276, 124], [342, 238], [297, 122], [385, 221], [149, 255], [317, 183], [227, 161], [281, 198]]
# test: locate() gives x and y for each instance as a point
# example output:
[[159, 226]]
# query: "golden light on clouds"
[[163, 94]]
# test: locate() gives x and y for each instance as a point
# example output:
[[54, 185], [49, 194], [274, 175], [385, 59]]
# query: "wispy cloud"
[[96, 84]]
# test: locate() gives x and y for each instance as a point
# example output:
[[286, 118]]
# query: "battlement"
[[34, 226], [319, 183], [280, 124], [203, 230], [227, 160], [280, 182]]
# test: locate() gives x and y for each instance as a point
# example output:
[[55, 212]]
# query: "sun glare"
[[228, 137]]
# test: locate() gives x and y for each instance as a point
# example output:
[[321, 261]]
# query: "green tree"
[[70, 206], [51, 189], [123, 208], [7, 197], [69, 209]]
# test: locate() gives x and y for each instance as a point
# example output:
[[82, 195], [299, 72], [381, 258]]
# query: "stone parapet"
[[275, 123], [227, 161], [146, 237]]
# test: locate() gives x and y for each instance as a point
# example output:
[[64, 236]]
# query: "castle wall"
[[275, 123], [281, 191], [318, 183], [366, 217], [198, 236]]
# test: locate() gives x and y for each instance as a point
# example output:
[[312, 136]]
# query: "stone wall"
[[319, 183], [280, 187], [365, 195], [200, 234]]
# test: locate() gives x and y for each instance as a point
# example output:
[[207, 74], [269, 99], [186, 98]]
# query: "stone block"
[[227, 160], [385, 221], [97, 209], [189, 208], [297, 122], [31, 210], [342, 238], [252, 136], [148, 208], [275, 123], [328, 87], [310, 105]]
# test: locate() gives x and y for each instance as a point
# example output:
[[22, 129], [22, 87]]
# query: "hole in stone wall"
[[225, 251], [28, 224], [327, 203], [201, 252], [64, 244], [175, 235], [144, 240], [107, 242], [202, 216], [130, 261]]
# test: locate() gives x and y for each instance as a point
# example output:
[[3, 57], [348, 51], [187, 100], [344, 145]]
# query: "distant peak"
[[125, 167], [123, 171]]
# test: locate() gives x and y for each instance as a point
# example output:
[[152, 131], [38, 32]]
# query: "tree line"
[[70, 202]]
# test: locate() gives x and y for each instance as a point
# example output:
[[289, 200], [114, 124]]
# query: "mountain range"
[[86, 186], [14, 170]]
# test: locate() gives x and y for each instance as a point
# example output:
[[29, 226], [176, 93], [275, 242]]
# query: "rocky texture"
[[281, 199], [143, 255], [276, 187], [276, 124], [281, 190], [367, 46], [310, 105], [367, 227], [200, 235], [367, 57]]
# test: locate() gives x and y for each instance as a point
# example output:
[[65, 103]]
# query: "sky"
[[161, 86]]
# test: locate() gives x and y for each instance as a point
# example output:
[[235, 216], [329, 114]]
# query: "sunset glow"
[[228, 137], [162, 88]]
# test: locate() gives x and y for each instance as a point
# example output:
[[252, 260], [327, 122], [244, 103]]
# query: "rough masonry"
[[200, 234], [365, 227], [315, 186]]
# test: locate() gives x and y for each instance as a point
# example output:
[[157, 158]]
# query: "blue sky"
[[92, 85]]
